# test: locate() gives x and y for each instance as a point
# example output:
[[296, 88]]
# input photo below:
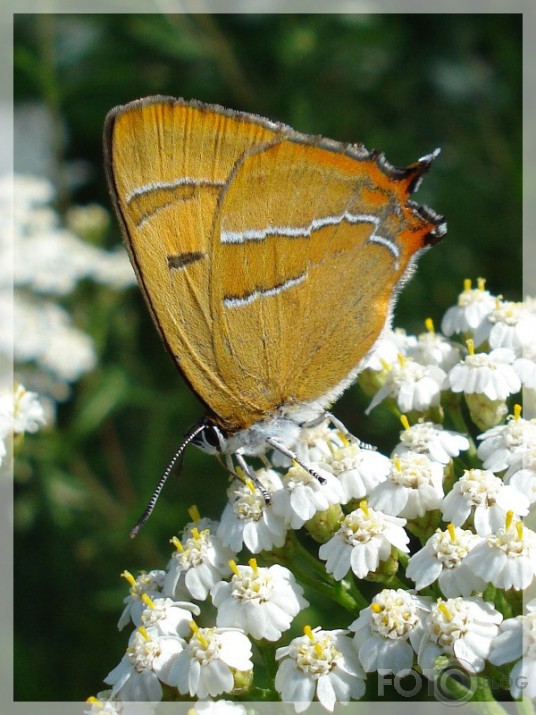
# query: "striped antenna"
[[177, 458]]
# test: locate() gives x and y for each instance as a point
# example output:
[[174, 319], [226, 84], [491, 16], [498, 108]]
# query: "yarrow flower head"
[[358, 469], [427, 438], [386, 631], [248, 520], [321, 663], [364, 538], [461, 627], [167, 617], [414, 486], [509, 325], [443, 558], [474, 304], [499, 444], [507, 558], [521, 473], [147, 583], [481, 494], [417, 520], [413, 386], [260, 601], [145, 666], [213, 662], [316, 444], [199, 562], [304, 495], [517, 642], [432, 348], [490, 374]]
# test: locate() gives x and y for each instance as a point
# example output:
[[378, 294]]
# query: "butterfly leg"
[[250, 474], [344, 431], [294, 458]]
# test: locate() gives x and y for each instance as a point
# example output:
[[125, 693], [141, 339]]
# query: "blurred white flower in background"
[[20, 412], [45, 261]]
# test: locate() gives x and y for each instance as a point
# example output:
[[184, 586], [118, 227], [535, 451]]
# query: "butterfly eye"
[[210, 439]]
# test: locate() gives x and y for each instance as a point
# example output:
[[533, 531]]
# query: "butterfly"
[[270, 260]]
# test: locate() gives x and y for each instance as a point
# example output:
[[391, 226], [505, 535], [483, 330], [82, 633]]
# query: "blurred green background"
[[403, 84]]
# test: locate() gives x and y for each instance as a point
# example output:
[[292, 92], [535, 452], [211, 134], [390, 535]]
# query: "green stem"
[[483, 694], [403, 559], [458, 421], [344, 592], [335, 591], [396, 582], [303, 556], [267, 651], [261, 694], [309, 571], [349, 588], [417, 531]]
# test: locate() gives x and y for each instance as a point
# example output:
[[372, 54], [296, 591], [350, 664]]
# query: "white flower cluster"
[[425, 552], [45, 261], [169, 648], [417, 369]]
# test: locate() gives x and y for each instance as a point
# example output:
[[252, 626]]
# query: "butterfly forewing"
[[167, 162]]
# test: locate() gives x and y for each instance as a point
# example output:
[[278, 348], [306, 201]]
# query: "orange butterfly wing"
[[311, 244], [268, 259]]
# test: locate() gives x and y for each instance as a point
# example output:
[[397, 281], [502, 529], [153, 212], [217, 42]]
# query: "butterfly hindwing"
[[307, 266]]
